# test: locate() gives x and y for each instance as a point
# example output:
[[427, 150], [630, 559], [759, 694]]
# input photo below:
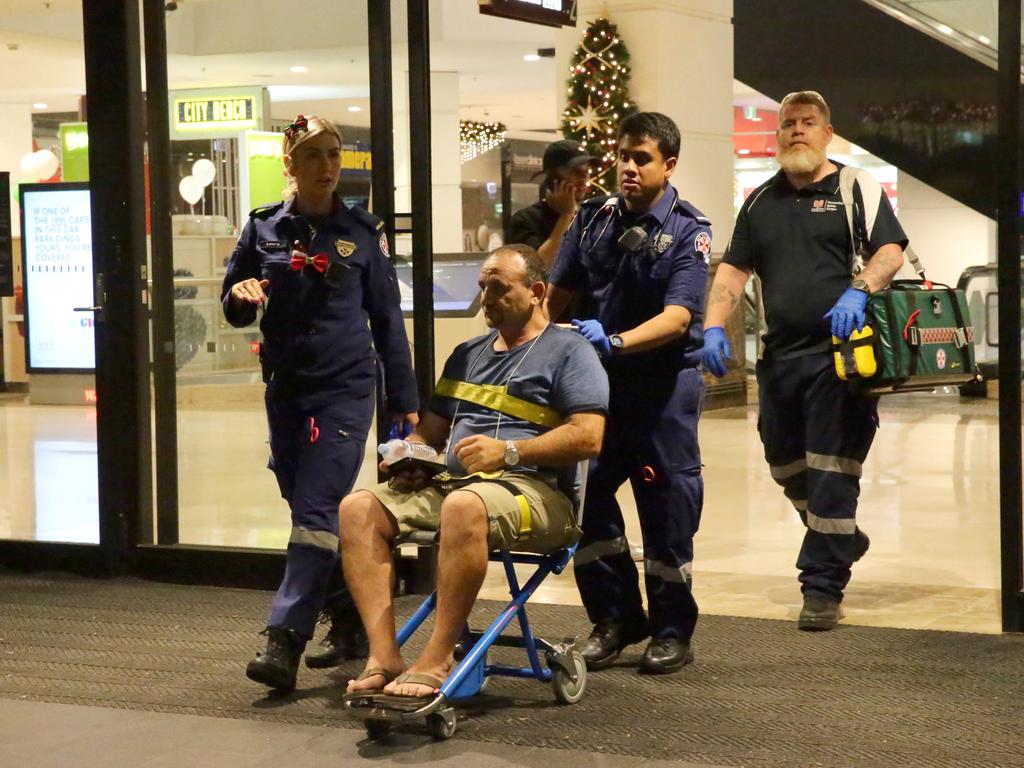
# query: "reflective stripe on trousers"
[[320, 539], [600, 549], [672, 574]]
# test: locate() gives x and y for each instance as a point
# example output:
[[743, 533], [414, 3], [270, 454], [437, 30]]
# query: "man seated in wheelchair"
[[518, 409]]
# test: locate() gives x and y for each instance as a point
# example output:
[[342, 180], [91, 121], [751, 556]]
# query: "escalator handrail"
[[971, 272], [929, 25]]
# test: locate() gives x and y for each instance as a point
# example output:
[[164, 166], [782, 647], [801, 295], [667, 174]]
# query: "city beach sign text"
[[215, 113]]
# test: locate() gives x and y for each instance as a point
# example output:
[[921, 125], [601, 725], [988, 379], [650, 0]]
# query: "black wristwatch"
[[861, 285], [616, 342]]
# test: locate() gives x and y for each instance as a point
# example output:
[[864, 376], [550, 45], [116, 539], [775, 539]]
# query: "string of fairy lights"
[[475, 138]]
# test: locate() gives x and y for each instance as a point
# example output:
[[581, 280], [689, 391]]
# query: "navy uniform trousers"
[[816, 435], [316, 455], [651, 440]]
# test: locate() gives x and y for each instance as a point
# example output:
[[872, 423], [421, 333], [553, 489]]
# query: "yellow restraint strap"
[[525, 520], [497, 399], [524, 514]]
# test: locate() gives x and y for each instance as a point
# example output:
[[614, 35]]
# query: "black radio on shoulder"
[[633, 239]]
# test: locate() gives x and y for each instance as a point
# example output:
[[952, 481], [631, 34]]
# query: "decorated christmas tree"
[[598, 98]]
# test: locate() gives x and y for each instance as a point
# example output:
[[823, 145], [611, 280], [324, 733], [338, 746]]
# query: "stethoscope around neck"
[[634, 239]]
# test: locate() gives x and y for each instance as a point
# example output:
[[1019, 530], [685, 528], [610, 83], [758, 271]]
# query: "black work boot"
[[278, 666], [346, 639], [608, 638], [666, 654], [820, 613]]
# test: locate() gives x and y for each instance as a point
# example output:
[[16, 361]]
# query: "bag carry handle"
[[848, 175]]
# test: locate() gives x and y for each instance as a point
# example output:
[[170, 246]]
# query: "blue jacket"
[[320, 329]]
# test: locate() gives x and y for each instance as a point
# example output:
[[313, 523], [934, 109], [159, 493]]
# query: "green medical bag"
[[922, 338]]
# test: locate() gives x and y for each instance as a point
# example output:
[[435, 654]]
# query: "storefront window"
[[48, 456], [230, 97]]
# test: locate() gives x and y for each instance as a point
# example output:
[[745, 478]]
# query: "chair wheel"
[[377, 729], [566, 691], [440, 726]]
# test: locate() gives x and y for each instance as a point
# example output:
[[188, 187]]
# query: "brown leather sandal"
[[398, 701], [367, 692]]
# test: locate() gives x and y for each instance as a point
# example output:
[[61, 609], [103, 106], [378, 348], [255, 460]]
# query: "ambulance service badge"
[[345, 248]]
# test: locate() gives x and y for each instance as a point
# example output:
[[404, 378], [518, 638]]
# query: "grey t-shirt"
[[559, 369]]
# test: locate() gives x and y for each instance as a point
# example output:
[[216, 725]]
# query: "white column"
[[15, 143], [445, 164], [681, 60]]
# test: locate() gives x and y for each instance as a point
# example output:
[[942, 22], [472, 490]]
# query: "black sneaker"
[[820, 613], [278, 666], [666, 654], [607, 640], [346, 639]]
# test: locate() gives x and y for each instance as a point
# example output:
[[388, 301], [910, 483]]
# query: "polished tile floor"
[[929, 500]]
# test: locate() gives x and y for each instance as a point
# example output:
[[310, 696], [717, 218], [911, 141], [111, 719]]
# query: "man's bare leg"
[[461, 567], [367, 534]]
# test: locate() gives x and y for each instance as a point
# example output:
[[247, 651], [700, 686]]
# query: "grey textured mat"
[[760, 693]]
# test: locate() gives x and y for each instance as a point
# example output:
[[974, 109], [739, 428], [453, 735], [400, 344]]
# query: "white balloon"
[[191, 189], [205, 171], [28, 165], [48, 162], [40, 165]]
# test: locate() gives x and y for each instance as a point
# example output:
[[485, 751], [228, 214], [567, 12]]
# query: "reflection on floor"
[[929, 500]]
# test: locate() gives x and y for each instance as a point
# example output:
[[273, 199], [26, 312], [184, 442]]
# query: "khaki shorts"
[[549, 525]]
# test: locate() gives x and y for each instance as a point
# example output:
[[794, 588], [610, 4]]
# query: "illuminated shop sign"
[[355, 157], [215, 113], [550, 13], [74, 151]]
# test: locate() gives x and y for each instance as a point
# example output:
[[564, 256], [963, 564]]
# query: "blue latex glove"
[[848, 313], [399, 432], [716, 350], [593, 331]]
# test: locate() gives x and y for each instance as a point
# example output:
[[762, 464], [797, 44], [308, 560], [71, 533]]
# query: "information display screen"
[[56, 232], [456, 284], [550, 13]]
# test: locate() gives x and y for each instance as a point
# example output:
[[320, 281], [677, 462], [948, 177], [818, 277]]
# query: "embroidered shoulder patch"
[[702, 244], [663, 242]]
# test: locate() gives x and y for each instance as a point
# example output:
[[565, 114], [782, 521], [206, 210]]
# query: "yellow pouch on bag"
[[855, 358]]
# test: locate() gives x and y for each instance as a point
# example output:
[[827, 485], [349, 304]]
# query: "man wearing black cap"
[[566, 183]]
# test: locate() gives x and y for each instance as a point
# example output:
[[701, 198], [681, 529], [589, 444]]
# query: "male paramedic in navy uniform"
[[642, 257], [793, 231]]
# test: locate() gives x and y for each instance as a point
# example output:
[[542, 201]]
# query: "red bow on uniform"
[[318, 262]]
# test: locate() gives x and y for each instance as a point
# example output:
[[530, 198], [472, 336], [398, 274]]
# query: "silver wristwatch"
[[861, 285], [511, 454]]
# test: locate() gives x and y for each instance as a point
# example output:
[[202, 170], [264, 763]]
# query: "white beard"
[[801, 159]]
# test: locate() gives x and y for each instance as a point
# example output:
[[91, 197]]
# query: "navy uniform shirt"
[[320, 329], [798, 243], [629, 288]]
